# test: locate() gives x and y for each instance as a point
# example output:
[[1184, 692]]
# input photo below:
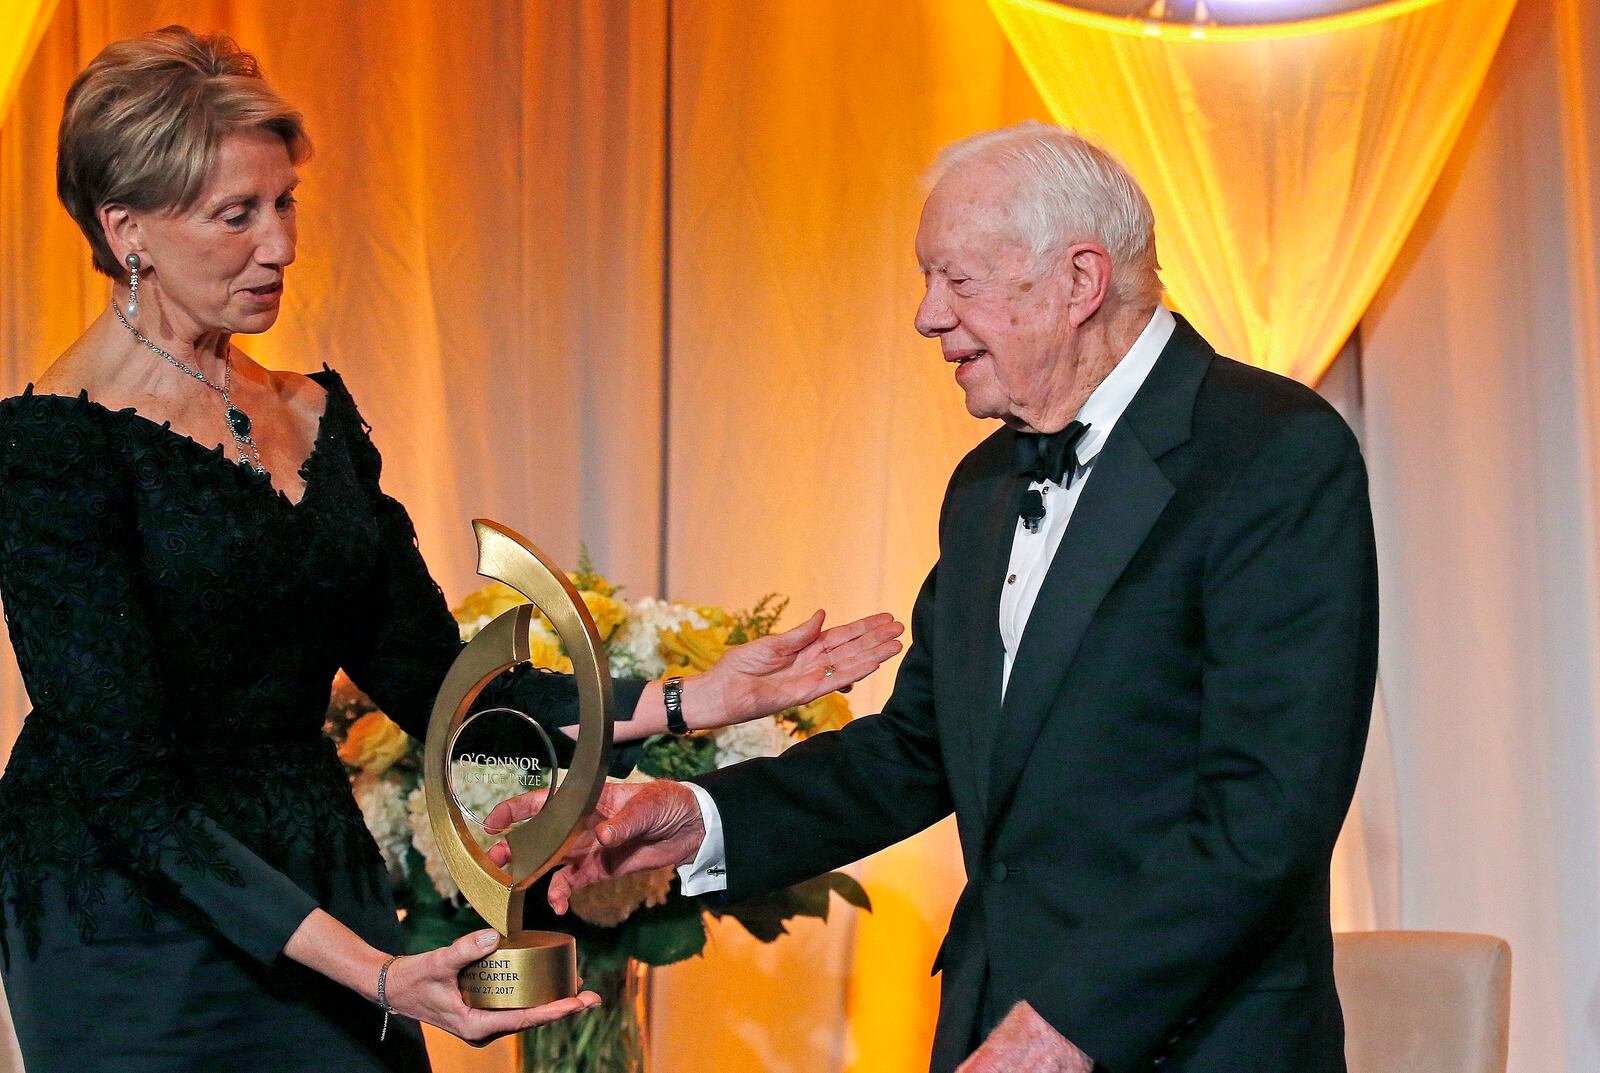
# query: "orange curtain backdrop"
[[25, 22], [1286, 164], [481, 249], [813, 430]]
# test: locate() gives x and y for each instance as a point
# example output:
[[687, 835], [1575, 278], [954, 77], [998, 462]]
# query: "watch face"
[[498, 753]]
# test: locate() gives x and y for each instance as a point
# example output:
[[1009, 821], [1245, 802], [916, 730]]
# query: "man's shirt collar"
[[1105, 406]]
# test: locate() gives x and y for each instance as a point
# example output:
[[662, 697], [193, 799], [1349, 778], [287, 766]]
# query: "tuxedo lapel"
[[983, 552], [1122, 498]]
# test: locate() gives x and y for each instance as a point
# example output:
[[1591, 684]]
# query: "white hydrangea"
[[422, 838], [477, 796], [635, 649], [744, 741], [622, 664], [480, 787], [383, 807]]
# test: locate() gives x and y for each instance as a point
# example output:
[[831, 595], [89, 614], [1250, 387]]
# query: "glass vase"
[[608, 1039]]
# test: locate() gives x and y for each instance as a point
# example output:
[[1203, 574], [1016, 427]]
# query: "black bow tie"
[[1050, 456]]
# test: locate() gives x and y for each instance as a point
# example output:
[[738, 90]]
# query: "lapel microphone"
[[1042, 457], [1032, 509]]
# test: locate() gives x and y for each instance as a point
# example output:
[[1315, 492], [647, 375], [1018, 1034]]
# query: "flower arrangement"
[[629, 922]]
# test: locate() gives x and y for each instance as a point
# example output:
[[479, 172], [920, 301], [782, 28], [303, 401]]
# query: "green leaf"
[[601, 948], [658, 935], [431, 921], [665, 934], [422, 932], [666, 756], [759, 621], [766, 917], [845, 886], [587, 578], [762, 917]]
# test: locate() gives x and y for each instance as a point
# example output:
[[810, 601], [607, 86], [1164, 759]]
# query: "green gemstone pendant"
[[240, 421]]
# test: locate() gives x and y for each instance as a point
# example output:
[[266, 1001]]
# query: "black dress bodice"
[[178, 623]]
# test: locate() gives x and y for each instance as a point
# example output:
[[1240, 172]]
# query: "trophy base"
[[529, 969]]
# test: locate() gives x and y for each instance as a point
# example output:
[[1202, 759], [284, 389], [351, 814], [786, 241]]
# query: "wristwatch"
[[672, 697]]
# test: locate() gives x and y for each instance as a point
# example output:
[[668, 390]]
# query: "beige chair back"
[[1424, 1001]]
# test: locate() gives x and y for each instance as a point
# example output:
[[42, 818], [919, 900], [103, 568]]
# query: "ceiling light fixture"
[[1162, 11]]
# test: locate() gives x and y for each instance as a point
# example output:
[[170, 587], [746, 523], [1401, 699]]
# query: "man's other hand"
[[1024, 1040], [634, 827]]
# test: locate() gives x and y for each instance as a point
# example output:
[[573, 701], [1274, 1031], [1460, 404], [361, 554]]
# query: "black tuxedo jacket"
[[1147, 819]]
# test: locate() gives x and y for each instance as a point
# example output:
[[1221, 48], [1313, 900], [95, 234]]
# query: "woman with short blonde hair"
[[191, 546], [144, 122]]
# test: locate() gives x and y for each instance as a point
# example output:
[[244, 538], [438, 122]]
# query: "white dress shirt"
[[1031, 555]]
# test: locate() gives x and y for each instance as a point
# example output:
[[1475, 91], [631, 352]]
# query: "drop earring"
[[133, 284]]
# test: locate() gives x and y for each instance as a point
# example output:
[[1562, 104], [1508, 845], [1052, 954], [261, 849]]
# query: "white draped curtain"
[[1481, 381]]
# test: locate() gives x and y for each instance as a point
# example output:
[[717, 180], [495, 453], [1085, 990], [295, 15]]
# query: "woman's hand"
[[425, 986], [785, 670]]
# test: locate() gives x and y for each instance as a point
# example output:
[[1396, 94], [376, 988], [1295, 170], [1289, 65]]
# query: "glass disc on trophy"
[[496, 754]]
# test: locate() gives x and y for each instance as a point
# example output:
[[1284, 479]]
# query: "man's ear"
[[1088, 269], [123, 232]]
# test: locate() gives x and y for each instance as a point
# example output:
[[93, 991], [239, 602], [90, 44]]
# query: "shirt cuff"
[[708, 872]]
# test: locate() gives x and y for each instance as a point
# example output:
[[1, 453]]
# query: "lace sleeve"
[[403, 656], [88, 660]]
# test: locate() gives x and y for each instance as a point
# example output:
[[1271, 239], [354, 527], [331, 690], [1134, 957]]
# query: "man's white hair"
[[1068, 189]]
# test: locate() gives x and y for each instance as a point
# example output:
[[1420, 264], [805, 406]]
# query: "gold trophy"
[[530, 968]]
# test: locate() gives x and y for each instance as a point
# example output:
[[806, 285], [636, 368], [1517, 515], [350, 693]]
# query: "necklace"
[[238, 420]]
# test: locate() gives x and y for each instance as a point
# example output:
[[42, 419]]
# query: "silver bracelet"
[[383, 995]]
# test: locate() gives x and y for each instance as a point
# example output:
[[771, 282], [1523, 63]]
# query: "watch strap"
[[672, 698]]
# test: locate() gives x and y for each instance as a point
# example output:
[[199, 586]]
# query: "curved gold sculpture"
[[530, 968]]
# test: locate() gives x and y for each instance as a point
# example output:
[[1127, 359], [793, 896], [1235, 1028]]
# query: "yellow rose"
[[491, 601], [715, 616], [544, 652], [606, 611], [689, 651], [373, 743], [594, 581], [828, 712]]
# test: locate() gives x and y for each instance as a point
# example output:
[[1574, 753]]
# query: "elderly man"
[[1140, 673]]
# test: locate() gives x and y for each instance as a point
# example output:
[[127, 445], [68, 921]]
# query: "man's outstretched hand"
[[635, 827]]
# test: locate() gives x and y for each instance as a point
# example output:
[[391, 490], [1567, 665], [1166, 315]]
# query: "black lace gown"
[[171, 811]]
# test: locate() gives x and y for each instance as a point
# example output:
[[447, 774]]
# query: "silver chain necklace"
[[238, 420]]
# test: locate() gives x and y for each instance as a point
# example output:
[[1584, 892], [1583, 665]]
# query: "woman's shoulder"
[[310, 394], [67, 424], [64, 378], [66, 390], [60, 395], [340, 402], [312, 388], [53, 436]]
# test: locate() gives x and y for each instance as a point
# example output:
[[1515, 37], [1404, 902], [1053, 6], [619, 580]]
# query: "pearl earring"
[[133, 284]]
